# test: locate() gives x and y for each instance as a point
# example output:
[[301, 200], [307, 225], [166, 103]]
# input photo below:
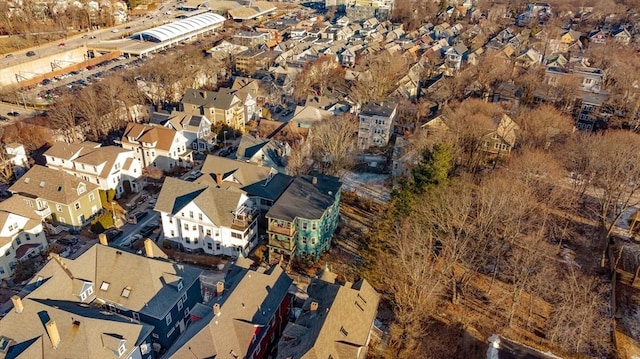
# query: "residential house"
[[263, 184], [251, 60], [67, 199], [110, 167], [250, 38], [376, 124], [302, 221], [455, 56], [409, 85], [587, 78], [306, 116], [195, 128], [219, 107], [336, 321], [89, 297], [348, 56], [530, 58], [248, 312], [263, 151], [22, 234], [621, 36], [500, 141], [342, 21], [16, 156], [597, 37], [212, 218], [157, 146]]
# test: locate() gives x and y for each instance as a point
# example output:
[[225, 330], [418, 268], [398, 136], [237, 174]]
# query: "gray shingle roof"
[[208, 99], [236, 173], [384, 109], [216, 203], [81, 330], [339, 328], [303, 199], [51, 185], [250, 300], [149, 294]]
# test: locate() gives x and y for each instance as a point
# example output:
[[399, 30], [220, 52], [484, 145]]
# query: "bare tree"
[[318, 76], [378, 77], [333, 142], [543, 127]]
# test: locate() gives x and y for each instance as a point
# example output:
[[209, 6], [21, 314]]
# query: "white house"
[[196, 128], [157, 146], [213, 218], [109, 167], [22, 234], [376, 124], [16, 155]]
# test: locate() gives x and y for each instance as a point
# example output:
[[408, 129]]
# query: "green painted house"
[[302, 221]]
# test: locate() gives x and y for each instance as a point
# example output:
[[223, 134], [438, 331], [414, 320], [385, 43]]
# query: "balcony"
[[44, 212], [287, 246], [282, 229], [243, 217]]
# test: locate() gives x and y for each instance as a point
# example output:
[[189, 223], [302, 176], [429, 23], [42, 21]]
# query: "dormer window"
[[122, 349], [82, 188], [180, 286]]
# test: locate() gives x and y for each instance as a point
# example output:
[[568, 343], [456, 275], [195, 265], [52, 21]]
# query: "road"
[[152, 18]]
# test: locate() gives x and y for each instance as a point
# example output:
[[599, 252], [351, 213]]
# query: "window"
[[208, 231], [77, 205], [168, 319], [90, 290], [186, 226], [193, 227], [180, 305], [313, 240], [314, 226], [200, 216], [344, 331], [121, 349], [304, 240], [173, 233], [304, 225], [186, 311], [126, 292], [58, 207], [104, 286], [217, 246], [135, 315], [210, 246], [236, 235], [190, 214], [184, 297], [180, 286], [83, 296], [91, 197]]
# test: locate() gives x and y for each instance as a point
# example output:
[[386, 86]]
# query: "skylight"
[[104, 286], [126, 291]]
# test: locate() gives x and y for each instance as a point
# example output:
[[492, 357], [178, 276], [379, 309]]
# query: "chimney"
[[148, 248], [219, 178], [103, 239], [17, 304], [314, 306], [314, 181], [219, 288], [54, 336], [216, 309]]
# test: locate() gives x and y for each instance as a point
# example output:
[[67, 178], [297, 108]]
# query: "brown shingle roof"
[[51, 185], [163, 137], [69, 151]]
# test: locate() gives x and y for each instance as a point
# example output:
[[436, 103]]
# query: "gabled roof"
[[250, 300], [340, 326], [51, 185], [147, 292], [209, 99], [163, 137], [235, 173], [185, 121], [304, 199], [216, 203], [81, 330], [383, 109], [69, 151]]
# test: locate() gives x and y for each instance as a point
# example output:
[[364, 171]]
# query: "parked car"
[[31, 53], [13, 113], [8, 56], [62, 44], [147, 230], [113, 234], [4, 118], [68, 240], [136, 217], [127, 242]]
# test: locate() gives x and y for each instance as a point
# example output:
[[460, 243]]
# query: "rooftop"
[[304, 199]]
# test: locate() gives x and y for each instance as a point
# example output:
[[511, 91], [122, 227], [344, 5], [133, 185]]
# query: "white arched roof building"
[[183, 29]]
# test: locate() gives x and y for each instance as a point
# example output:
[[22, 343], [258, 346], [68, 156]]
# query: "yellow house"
[[66, 199]]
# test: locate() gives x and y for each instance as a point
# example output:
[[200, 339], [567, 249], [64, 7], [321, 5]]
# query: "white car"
[[115, 30]]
